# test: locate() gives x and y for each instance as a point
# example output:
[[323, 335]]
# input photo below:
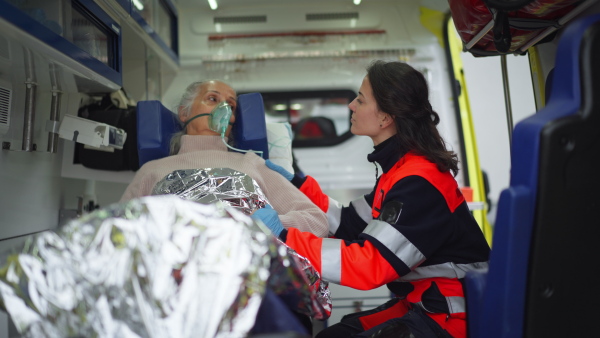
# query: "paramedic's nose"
[[351, 105]]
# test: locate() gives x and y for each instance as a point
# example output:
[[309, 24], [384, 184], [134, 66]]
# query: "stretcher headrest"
[[156, 125]]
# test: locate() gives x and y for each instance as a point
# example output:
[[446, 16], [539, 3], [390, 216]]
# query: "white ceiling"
[[440, 5]]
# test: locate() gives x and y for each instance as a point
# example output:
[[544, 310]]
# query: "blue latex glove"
[[288, 175], [270, 218]]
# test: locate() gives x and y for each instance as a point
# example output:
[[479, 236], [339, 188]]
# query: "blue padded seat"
[[157, 124], [543, 274]]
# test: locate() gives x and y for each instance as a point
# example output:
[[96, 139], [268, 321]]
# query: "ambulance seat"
[[542, 278], [156, 124]]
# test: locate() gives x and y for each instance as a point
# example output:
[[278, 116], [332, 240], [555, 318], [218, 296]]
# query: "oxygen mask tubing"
[[218, 121]]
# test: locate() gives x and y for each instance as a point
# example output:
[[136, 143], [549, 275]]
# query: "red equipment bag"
[[494, 27]]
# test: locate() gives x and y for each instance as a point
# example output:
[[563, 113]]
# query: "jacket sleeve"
[[383, 252], [343, 222], [312, 190], [355, 264], [295, 210]]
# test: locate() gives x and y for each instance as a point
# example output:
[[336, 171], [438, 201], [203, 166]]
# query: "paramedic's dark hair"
[[401, 91]]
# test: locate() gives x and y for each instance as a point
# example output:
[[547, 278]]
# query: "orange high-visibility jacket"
[[422, 256]]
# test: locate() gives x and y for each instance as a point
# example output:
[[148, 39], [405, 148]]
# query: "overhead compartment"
[[77, 35]]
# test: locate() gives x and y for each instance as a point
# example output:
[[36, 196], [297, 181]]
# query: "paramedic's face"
[[210, 95], [366, 116]]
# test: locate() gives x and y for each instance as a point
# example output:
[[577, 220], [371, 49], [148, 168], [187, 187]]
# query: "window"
[[318, 118], [91, 36]]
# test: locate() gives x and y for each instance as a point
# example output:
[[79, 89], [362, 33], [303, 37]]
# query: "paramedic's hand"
[[270, 218], [288, 175]]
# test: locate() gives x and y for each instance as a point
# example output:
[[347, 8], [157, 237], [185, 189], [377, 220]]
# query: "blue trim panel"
[[171, 7], [126, 4], [21, 20], [502, 305], [172, 52]]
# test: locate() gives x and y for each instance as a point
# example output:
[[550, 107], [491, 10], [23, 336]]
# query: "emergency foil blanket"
[[209, 185], [242, 192], [156, 266]]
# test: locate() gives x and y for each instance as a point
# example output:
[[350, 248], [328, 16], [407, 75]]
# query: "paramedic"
[[413, 232], [201, 147]]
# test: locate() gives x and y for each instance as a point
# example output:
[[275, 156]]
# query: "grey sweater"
[[294, 208]]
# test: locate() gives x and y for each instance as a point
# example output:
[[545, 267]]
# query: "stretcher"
[[495, 27]]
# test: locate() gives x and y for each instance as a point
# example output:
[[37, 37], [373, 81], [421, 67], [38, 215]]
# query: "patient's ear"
[[181, 114]]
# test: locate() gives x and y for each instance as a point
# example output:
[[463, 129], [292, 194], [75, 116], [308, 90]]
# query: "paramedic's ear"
[[386, 120]]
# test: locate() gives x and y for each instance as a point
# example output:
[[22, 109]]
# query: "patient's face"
[[210, 95]]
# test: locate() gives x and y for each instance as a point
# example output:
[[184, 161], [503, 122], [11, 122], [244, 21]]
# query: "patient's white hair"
[[184, 108]]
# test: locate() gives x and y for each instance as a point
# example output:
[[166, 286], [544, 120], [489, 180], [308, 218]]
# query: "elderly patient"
[[201, 147]]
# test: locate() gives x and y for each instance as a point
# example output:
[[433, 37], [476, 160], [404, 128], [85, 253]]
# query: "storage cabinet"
[[159, 19], [79, 30]]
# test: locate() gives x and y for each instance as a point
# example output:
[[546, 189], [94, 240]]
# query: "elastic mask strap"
[[190, 120]]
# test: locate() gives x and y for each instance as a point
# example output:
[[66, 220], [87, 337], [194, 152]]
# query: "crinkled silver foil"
[[156, 266], [240, 191], [316, 302], [209, 185]]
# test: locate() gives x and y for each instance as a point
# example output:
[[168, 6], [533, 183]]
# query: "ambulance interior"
[[306, 59]]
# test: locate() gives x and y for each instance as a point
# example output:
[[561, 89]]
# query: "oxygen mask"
[[218, 121]]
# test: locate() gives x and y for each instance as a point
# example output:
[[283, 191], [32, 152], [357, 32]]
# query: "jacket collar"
[[386, 154]]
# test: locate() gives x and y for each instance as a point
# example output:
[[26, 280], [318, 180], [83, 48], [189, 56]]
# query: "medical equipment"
[[91, 133]]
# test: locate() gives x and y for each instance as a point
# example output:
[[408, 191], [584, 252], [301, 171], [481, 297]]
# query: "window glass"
[[165, 25], [87, 36], [48, 13], [146, 10], [318, 118]]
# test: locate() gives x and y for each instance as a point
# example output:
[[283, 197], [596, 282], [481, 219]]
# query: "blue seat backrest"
[[540, 280], [156, 125], [250, 128]]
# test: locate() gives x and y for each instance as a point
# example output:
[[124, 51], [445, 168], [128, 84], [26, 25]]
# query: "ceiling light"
[[357, 2], [138, 5], [213, 4]]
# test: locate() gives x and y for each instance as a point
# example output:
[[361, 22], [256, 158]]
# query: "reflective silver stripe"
[[396, 242], [334, 215], [455, 305], [363, 209], [447, 270], [331, 260]]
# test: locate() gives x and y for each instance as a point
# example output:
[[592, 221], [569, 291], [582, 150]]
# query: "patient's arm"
[[141, 185], [294, 208]]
